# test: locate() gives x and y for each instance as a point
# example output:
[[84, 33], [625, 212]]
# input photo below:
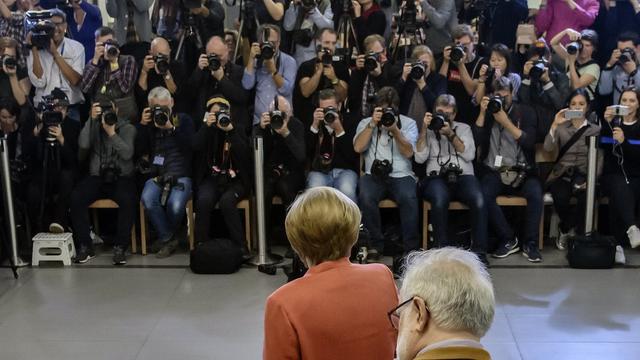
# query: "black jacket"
[[436, 86], [289, 152], [389, 76], [344, 157]]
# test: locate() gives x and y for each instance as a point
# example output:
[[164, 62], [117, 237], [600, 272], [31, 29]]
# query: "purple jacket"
[[557, 16]]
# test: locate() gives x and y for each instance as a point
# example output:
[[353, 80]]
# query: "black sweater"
[[389, 76], [344, 157], [289, 151], [630, 150]]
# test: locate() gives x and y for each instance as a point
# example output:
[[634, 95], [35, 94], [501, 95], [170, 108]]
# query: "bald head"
[[283, 105], [160, 45], [216, 45]]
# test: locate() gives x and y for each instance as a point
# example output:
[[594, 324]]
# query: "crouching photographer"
[[222, 170], [164, 140], [56, 153], [387, 141], [505, 132], [448, 148], [106, 142]]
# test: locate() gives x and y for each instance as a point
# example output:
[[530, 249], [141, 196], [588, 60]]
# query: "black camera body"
[[523, 170], [388, 117], [496, 103], [111, 49], [214, 62], [326, 58], [408, 19], [437, 122], [491, 75], [277, 119], [627, 55], [418, 69], [108, 114], [371, 61], [267, 50], [574, 47], [538, 69], [457, 53], [381, 168], [9, 62], [450, 173], [162, 63], [223, 117], [50, 117], [41, 27], [308, 4], [330, 115], [160, 115]]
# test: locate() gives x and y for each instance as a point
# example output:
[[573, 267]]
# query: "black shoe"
[[531, 252], [156, 246], [119, 257], [168, 249], [506, 249], [84, 254]]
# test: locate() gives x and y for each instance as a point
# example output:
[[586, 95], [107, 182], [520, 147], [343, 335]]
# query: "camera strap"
[[576, 136], [375, 152], [322, 134]]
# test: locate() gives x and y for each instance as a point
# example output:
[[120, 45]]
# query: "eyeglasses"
[[394, 315], [58, 24]]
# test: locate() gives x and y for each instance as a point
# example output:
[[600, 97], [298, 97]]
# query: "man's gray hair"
[[159, 93], [455, 286]]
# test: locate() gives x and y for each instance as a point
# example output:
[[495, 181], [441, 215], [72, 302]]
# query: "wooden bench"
[[110, 204]]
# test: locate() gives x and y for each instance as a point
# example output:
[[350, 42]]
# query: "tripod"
[[346, 31], [248, 25], [188, 33], [14, 259], [51, 154]]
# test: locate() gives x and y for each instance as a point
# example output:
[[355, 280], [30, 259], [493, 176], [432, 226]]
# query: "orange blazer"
[[338, 310]]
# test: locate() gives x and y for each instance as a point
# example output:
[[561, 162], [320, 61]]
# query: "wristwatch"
[[371, 125], [167, 76], [335, 81]]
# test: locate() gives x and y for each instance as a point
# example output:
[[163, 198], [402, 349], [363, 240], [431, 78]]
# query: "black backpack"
[[217, 256]]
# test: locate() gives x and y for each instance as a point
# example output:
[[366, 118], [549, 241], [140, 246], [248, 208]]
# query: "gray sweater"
[[616, 79], [442, 18], [100, 148], [117, 9], [576, 155]]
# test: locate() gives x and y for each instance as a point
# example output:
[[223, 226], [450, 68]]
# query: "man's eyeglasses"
[[394, 315], [58, 24]]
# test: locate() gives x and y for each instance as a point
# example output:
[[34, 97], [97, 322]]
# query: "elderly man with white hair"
[[447, 305]]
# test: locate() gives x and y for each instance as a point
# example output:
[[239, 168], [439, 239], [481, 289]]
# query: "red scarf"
[[375, 7]]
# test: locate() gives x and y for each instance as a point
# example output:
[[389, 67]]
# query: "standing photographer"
[[441, 17], [583, 71], [158, 70], [387, 141], [170, 18], [166, 147], [12, 25], [622, 68], [131, 20], [448, 149], [14, 80], [304, 18], [107, 143], [506, 133], [368, 19], [56, 153]]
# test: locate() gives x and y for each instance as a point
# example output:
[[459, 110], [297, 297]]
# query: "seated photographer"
[[84, 19], [420, 85], [158, 69], [56, 62], [448, 149], [56, 156], [505, 132], [568, 178], [368, 19], [554, 16], [461, 67], [373, 72], [621, 70], [110, 76], [107, 142], [321, 72], [303, 19], [582, 69], [217, 74], [222, 170], [330, 147], [269, 71], [131, 20], [321, 308], [621, 170], [499, 66], [387, 141], [543, 87], [14, 80], [163, 140], [440, 18]]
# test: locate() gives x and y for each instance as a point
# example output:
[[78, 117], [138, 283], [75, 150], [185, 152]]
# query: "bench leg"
[[541, 231], [134, 245], [425, 228], [247, 227], [143, 231], [96, 226], [190, 225]]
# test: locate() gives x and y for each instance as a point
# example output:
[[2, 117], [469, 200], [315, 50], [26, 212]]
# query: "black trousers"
[[92, 188], [623, 202], [59, 186], [286, 187], [227, 196], [562, 192]]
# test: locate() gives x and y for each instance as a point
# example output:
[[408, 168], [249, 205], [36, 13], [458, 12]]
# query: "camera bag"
[[216, 256]]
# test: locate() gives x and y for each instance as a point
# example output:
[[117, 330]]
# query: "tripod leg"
[[238, 41]]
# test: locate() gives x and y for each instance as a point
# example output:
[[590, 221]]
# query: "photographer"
[[387, 141], [499, 66], [440, 17], [304, 18], [59, 65], [269, 71], [330, 147], [158, 69], [321, 72], [56, 153], [14, 80], [622, 68], [557, 15], [500, 20], [164, 140], [448, 149], [621, 171], [84, 19], [368, 19], [506, 134], [373, 72], [582, 70], [131, 20], [12, 25], [107, 143], [461, 70], [420, 85], [111, 76], [217, 74], [568, 178], [222, 170]]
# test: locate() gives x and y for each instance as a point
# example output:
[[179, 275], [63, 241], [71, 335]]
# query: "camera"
[[308, 4], [214, 62], [496, 103], [223, 117], [111, 49], [50, 117], [302, 37], [627, 55], [381, 168], [522, 170], [450, 173], [277, 119], [388, 117], [162, 63], [108, 114], [330, 115], [573, 114], [326, 58], [160, 115], [408, 18], [109, 172], [371, 61], [457, 53], [41, 27], [9, 62], [267, 51], [620, 110], [537, 69], [574, 47], [437, 122], [491, 74], [417, 70]]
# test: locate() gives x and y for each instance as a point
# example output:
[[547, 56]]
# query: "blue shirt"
[[266, 89], [401, 165], [86, 34]]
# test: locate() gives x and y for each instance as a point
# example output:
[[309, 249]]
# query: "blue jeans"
[[531, 190], [165, 221], [344, 180], [403, 192], [468, 191]]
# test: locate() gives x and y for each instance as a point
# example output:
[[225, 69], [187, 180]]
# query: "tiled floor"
[[154, 309]]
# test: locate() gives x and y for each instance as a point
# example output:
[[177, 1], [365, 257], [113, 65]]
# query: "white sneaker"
[[56, 228], [634, 236], [620, 259], [563, 239]]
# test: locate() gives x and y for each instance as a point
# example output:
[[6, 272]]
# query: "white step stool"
[[53, 247]]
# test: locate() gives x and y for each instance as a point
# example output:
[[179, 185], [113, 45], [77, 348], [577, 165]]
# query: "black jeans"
[[58, 199], [562, 192], [623, 202], [227, 196], [286, 187], [93, 188]]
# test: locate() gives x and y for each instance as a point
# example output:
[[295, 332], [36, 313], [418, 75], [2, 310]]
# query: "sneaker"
[[634, 236], [84, 254], [56, 228], [532, 253], [156, 246], [168, 249], [563, 240], [620, 259], [119, 257], [507, 249]]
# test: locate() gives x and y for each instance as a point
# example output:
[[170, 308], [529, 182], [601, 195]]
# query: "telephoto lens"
[[214, 62], [162, 63], [111, 48], [496, 104], [223, 117], [437, 122], [388, 117], [267, 51], [108, 114], [9, 62], [277, 119], [370, 61], [417, 70], [537, 69], [330, 115], [160, 115], [457, 53], [627, 55]]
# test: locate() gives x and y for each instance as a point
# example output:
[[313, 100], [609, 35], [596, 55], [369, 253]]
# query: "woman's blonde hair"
[[322, 225]]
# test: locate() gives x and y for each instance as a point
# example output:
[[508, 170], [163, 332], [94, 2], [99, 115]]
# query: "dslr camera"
[[457, 53], [538, 69], [108, 114], [109, 172], [214, 62], [418, 69], [627, 55], [496, 103], [371, 61], [330, 115], [326, 58], [111, 49], [50, 117], [574, 47], [388, 117], [381, 168], [162, 63], [41, 27], [437, 122], [450, 173], [223, 117], [160, 115], [308, 5], [9, 62], [523, 170], [267, 51]]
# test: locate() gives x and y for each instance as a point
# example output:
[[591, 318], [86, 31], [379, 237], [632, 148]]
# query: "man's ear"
[[420, 307]]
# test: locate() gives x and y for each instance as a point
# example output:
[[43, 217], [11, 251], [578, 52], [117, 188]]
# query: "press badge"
[[158, 160], [498, 161]]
